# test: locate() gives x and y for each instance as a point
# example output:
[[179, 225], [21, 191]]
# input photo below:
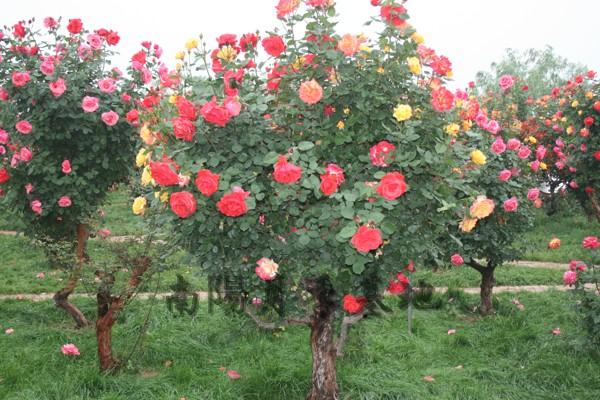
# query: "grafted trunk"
[[594, 205], [487, 286], [109, 308], [324, 381], [61, 298]]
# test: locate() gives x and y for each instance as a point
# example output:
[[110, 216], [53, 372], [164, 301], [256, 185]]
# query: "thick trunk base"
[[324, 381], [61, 298], [487, 286], [104, 337]]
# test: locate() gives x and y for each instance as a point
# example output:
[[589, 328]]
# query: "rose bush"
[[64, 140], [326, 165]]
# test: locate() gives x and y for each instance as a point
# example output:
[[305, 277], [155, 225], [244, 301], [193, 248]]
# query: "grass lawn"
[[511, 355], [569, 227]]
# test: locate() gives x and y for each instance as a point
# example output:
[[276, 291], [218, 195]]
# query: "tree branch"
[[347, 322]]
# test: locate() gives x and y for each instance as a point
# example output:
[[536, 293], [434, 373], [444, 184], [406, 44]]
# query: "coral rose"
[[163, 174], [207, 182], [285, 172], [554, 243], [233, 204], [366, 239], [215, 114], [183, 204], [183, 129], [266, 269], [273, 45], [310, 92], [392, 186]]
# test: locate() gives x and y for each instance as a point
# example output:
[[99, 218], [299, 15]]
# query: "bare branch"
[[347, 322]]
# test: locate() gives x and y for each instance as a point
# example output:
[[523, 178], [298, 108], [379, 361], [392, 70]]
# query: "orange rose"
[[467, 224], [349, 44], [482, 207], [311, 92]]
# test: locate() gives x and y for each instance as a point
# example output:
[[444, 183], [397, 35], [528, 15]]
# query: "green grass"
[[569, 227], [511, 355], [119, 217], [21, 262]]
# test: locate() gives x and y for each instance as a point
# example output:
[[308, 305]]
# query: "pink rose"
[[66, 167], [20, 79], [47, 67], [90, 104], [570, 277], [95, 41], [110, 118], [23, 127], [3, 136], [266, 269], [69, 349], [64, 201], [233, 106], [540, 152], [28, 188], [107, 85], [36, 206], [591, 242], [457, 259], [533, 194], [25, 154], [498, 146], [535, 165], [524, 152], [57, 87], [513, 144], [492, 126], [506, 82], [511, 204], [504, 175]]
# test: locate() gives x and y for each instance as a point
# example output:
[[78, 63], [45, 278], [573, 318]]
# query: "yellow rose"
[[173, 99], [589, 95], [543, 166], [414, 65], [570, 130], [467, 224], [402, 112], [481, 207], [191, 43], [180, 55], [227, 53], [340, 124], [163, 196], [380, 70], [147, 177], [478, 157], [466, 125], [142, 158], [417, 38], [575, 104], [452, 129], [346, 110], [365, 48], [532, 139], [139, 205]]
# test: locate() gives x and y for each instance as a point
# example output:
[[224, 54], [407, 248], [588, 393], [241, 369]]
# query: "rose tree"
[[310, 180], [64, 139], [497, 170]]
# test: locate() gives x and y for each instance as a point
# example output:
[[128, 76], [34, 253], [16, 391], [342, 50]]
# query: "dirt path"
[[204, 295]]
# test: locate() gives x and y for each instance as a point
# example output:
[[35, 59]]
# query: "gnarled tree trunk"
[[594, 205], [61, 298], [324, 382], [108, 310]]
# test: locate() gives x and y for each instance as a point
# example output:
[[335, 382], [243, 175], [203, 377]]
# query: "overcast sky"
[[472, 33]]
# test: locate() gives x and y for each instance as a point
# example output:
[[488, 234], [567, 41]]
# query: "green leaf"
[[348, 231], [304, 146]]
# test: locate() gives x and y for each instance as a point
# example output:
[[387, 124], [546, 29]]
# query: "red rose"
[[273, 45], [183, 129], [139, 57], [163, 174], [398, 285], [227, 39], [329, 184], [132, 116], [588, 121], [442, 99], [390, 14], [19, 30], [233, 204], [591, 242], [286, 173], [207, 182], [186, 108], [392, 186], [75, 26], [4, 177], [354, 305], [366, 239], [215, 114], [597, 105], [597, 155], [248, 40], [112, 38], [183, 204]]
